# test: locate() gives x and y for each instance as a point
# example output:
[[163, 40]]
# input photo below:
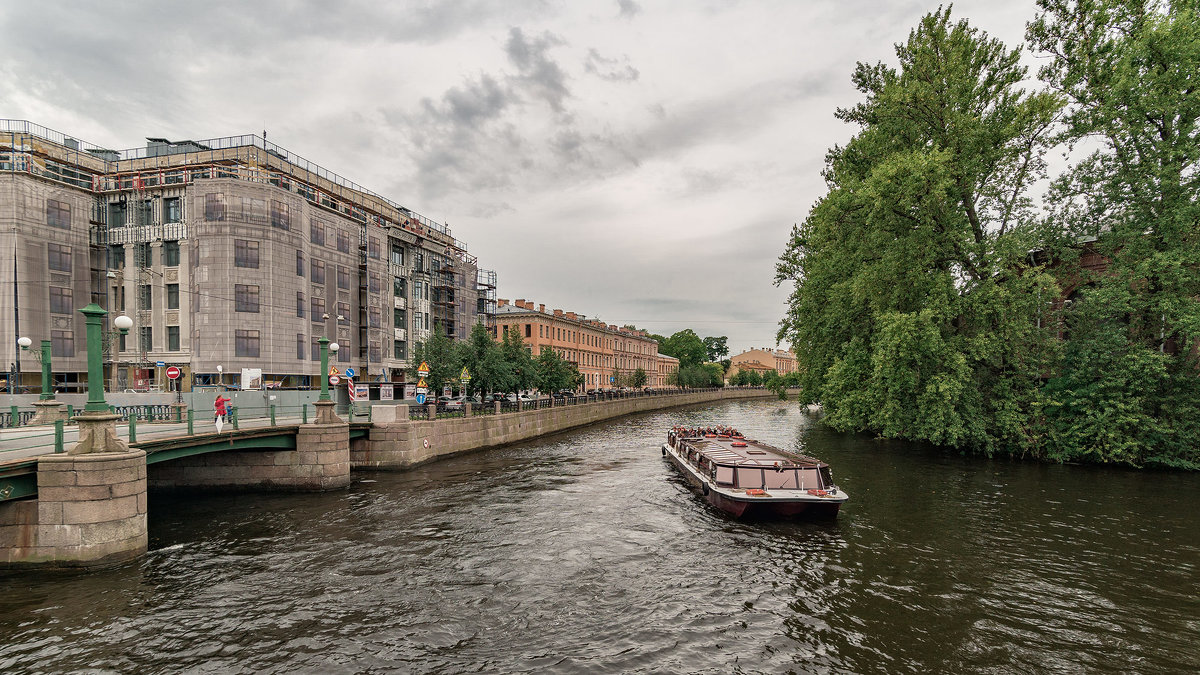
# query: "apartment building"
[[763, 360], [604, 354], [229, 252]]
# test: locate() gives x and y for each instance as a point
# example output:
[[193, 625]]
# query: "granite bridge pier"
[[87, 507]]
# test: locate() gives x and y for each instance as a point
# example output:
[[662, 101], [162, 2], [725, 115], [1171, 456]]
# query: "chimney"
[[529, 305], [520, 302], [542, 309], [502, 302], [571, 315], [558, 312]]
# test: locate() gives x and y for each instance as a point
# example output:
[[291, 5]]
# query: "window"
[[145, 254], [116, 214], [58, 214], [299, 263], [245, 343], [172, 338], [280, 217], [146, 342], [374, 317], [343, 241], [172, 210], [300, 305], [245, 253], [116, 256], [426, 318], [172, 296], [343, 277], [59, 257], [300, 346], [343, 355], [60, 300], [343, 313], [373, 248], [399, 287], [318, 272], [373, 282], [397, 255], [214, 207], [420, 261], [316, 232], [62, 343], [316, 350], [400, 349], [528, 330], [399, 320], [375, 353], [316, 309], [146, 296], [170, 253], [245, 298]]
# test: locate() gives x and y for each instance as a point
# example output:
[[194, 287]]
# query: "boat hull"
[[754, 508]]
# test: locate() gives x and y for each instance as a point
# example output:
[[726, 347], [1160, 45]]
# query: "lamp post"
[[220, 377], [97, 427], [325, 413], [48, 410]]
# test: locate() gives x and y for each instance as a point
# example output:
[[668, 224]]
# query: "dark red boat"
[[748, 479]]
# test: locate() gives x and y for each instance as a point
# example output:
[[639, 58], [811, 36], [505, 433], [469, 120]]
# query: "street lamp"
[[110, 345], [220, 376], [42, 357], [325, 414]]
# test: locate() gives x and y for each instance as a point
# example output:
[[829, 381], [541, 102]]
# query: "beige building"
[[228, 252], [763, 361], [604, 354]]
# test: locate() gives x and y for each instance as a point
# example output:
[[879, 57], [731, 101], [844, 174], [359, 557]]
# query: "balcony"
[[400, 302]]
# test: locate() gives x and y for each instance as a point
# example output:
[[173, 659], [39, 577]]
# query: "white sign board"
[[410, 390], [361, 392], [385, 392], [446, 390], [252, 378]]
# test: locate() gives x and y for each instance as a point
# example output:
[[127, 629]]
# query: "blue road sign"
[[160, 364], [349, 372], [612, 380], [420, 399]]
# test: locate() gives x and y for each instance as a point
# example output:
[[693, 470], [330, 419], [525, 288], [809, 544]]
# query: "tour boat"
[[748, 479]]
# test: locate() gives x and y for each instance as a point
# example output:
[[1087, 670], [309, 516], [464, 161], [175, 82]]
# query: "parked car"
[[452, 403]]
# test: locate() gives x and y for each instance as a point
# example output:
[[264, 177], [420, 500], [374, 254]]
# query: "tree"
[[716, 347], [443, 359], [1127, 391], [638, 380], [915, 302], [554, 372], [516, 354], [686, 346], [482, 356]]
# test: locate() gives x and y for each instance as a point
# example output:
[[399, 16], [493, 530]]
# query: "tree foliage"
[[686, 346], [933, 300]]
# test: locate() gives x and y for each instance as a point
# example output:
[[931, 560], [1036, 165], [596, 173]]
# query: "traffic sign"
[[465, 375], [173, 373], [334, 379], [423, 369], [421, 384], [160, 364], [333, 370], [349, 372], [420, 399]]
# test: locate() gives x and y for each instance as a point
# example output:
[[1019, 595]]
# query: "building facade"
[[228, 252], [604, 354], [763, 361]]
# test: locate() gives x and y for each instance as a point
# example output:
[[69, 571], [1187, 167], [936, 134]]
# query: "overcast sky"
[[636, 161]]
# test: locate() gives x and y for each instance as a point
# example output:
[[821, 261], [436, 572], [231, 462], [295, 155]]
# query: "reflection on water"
[[585, 553]]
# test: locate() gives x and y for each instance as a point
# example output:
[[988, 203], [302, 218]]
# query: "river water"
[[586, 553]]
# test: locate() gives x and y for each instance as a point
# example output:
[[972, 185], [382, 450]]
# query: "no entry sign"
[[173, 373]]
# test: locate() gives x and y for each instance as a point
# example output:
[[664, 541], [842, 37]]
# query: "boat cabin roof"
[[746, 452]]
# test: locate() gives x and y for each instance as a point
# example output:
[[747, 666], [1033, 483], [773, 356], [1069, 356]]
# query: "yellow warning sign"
[[333, 370], [421, 383]]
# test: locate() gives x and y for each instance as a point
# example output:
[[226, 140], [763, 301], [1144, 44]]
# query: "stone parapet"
[[90, 512]]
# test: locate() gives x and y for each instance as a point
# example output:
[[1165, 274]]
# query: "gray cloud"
[[628, 8], [541, 75], [612, 70]]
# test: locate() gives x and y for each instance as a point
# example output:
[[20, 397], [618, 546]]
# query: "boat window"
[[749, 478], [724, 475], [785, 479], [826, 477]]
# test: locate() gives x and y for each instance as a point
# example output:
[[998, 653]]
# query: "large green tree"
[[519, 359], [482, 357], [686, 346], [443, 358], [915, 302], [554, 372], [716, 347], [1128, 389]]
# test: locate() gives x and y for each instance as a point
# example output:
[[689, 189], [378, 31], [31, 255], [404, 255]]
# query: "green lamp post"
[[97, 432], [325, 414], [48, 410]]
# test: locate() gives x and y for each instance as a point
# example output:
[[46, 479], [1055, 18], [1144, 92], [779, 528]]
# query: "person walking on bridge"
[[219, 410]]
